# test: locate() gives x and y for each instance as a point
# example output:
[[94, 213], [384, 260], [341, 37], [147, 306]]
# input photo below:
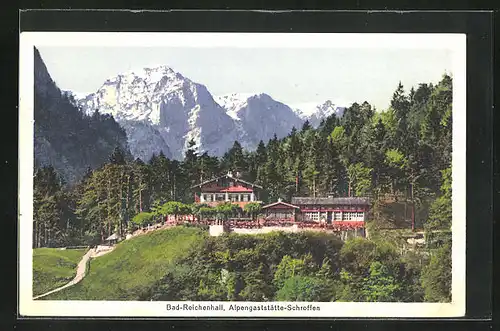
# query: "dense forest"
[[290, 267], [399, 155]]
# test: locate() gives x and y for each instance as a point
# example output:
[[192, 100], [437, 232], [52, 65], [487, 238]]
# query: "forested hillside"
[[185, 263]]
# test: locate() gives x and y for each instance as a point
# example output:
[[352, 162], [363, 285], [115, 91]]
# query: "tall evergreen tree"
[[306, 126], [117, 156]]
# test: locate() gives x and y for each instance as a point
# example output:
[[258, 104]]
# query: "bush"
[[436, 276], [143, 219], [304, 288], [203, 227]]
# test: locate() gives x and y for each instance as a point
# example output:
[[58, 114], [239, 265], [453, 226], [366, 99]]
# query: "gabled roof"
[[226, 176], [280, 203], [331, 201]]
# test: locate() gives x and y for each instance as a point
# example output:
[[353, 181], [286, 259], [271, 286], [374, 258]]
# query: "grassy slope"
[[53, 267], [132, 267]]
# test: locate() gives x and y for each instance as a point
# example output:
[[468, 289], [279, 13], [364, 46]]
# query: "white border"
[[456, 43]]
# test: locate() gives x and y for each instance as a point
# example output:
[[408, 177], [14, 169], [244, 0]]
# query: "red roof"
[[237, 188]]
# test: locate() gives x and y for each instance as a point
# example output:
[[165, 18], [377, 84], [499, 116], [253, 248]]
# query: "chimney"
[[279, 199], [229, 174]]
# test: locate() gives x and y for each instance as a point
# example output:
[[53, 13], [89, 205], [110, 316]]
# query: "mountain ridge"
[[161, 110]]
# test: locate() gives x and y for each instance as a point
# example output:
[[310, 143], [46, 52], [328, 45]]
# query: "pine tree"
[[313, 166], [117, 156], [49, 208], [400, 105], [190, 169], [236, 159]]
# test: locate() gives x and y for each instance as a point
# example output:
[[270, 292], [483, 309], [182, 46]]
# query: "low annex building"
[[331, 209], [281, 211]]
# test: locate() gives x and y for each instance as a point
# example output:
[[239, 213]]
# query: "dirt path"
[[93, 253], [80, 271]]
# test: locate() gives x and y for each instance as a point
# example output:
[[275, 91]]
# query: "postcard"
[[242, 175]]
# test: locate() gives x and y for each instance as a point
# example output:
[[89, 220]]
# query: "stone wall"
[[216, 230], [266, 229]]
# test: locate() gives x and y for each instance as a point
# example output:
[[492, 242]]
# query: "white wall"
[[216, 230]]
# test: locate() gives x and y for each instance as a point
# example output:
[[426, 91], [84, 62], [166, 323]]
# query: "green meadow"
[[54, 267], [133, 267]]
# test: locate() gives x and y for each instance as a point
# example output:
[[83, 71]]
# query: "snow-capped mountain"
[[233, 102], [161, 110], [323, 111], [314, 112], [259, 117]]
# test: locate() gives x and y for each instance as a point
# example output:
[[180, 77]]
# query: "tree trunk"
[[102, 232], [140, 196], [120, 218], [109, 211], [35, 239], [174, 197], [297, 183], [39, 237], [412, 209], [406, 204]]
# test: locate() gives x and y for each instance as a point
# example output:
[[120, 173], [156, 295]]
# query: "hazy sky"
[[293, 76]]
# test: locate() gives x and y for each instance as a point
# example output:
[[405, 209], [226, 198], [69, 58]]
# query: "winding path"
[[80, 271], [92, 253]]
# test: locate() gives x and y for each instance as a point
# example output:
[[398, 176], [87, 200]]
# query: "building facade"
[[342, 214], [331, 210], [280, 211], [227, 188]]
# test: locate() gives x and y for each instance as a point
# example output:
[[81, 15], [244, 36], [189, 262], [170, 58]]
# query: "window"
[[312, 216], [347, 216], [361, 215], [337, 216], [233, 197], [221, 197], [245, 197], [231, 184]]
